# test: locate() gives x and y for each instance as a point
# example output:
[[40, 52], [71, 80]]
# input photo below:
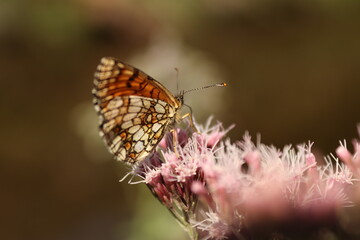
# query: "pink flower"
[[351, 160], [247, 190]]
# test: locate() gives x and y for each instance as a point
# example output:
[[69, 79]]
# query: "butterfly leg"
[[192, 125], [190, 116], [175, 142]]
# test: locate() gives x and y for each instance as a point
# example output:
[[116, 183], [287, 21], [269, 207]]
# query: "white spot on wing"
[[129, 116], [102, 92], [134, 129], [144, 137], [135, 101], [171, 112], [122, 154], [133, 109], [127, 72], [159, 108], [148, 118], [109, 125], [107, 61], [146, 103], [136, 121], [156, 127], [111, 114], [162, 103], [117, 139], [142, 155], [139, 146], [115, 103], [126, 124], [115, 147], [105, 73], [149, 147], [138, 134]]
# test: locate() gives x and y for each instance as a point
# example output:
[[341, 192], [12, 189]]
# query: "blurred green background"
[[293, 74]]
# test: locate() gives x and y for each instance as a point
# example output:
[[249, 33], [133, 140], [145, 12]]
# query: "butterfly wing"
[[134, 109], [115, 78]]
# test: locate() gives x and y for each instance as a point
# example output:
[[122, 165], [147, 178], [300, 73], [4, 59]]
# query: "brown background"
[[293, 74]]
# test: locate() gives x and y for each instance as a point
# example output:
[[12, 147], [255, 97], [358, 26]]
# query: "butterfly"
[[135, 110]]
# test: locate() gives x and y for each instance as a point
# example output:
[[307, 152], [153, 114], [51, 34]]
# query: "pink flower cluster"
[[245, 190]]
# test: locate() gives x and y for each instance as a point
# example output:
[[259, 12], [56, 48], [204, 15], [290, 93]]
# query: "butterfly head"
[[180, 97]]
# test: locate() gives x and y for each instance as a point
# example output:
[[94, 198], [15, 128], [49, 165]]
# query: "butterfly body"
[[135, 111]]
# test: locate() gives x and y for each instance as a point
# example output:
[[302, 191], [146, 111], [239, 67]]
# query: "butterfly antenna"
[[177, 80], [209, 86]]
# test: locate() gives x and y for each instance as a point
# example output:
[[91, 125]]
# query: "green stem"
[[183, 219]]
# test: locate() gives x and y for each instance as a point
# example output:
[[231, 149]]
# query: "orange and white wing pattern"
[[134, 109]]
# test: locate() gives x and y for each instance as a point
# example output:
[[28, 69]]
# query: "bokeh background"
[[293, 74]]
